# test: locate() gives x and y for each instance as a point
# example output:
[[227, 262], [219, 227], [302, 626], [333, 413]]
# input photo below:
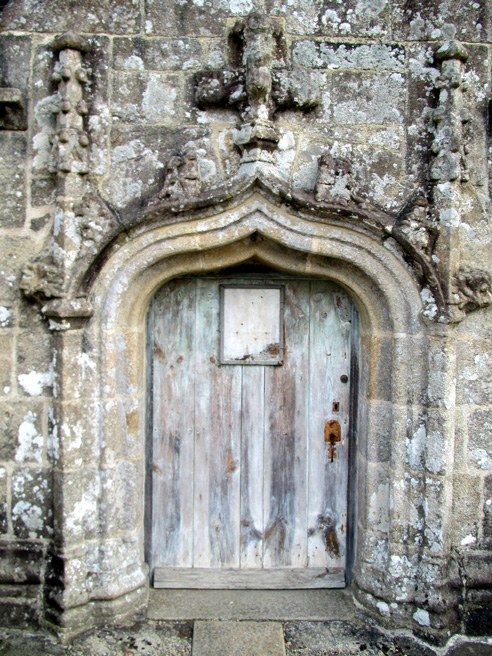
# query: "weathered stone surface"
[[16, 250], [4, 514], [468, 21], [117, 16], [382, 95], [146, 98], [474, 374], [34, 366], [369, 19], [23, 562], [466, 508], [12, 178], [31, 503], [97, 63], [238, 639], [487, 511], [20, 614], [332, 56], [21, 431], [42, 192], [140, 54], [480, 439], [376, 172], [15, 53], [138, 159], [193, 18], [6, 343]]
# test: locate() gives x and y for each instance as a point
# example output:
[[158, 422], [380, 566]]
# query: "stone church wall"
[[393, 99]]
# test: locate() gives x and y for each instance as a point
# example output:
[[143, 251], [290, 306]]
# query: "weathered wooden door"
[[247, 489]]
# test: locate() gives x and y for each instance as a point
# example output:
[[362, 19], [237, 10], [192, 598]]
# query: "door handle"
[[333, 434]]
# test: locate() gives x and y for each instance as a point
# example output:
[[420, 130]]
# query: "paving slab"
[[215, 638], [281, 605]]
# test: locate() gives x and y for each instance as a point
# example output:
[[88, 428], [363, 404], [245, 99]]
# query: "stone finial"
[[70, 141], [334, 183], [472, 289], [449, 163]]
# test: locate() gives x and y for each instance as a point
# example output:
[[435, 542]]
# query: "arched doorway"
[[251, 428]]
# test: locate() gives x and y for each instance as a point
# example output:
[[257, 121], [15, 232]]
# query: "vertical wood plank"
[[330, 313], [173, 423], [217, 441], [252, 436], [286, 390]]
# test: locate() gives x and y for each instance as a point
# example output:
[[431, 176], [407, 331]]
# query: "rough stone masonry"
[[143, 140]]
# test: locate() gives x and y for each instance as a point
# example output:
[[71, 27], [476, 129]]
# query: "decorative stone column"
[[448, 168]]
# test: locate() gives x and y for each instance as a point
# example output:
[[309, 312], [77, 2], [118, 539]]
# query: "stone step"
[[215, 638]]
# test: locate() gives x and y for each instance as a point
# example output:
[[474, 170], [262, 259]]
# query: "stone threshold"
[[273, 605]]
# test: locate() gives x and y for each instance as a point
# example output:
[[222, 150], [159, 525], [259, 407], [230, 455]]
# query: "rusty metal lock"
[[333, 434]]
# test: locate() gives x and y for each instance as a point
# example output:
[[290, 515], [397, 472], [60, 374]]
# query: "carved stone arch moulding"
[[99, 406], [63, 289]]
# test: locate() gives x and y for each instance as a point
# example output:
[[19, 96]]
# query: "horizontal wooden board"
[[248, 579]]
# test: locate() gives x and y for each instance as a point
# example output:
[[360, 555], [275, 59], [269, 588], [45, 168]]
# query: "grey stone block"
[[368, 98], [471, 649], [157, 54], [431, 21], [21, 431], [480, 439], [370, 19], [13, 146], [31, 503], [377, 57], [146, 98], [116, 16], [193, 18], [238, 639]]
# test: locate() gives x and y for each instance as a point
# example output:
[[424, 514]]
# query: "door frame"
[[100, 467]]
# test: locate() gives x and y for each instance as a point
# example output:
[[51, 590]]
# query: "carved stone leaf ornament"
[[473, 289], [41, 280]]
